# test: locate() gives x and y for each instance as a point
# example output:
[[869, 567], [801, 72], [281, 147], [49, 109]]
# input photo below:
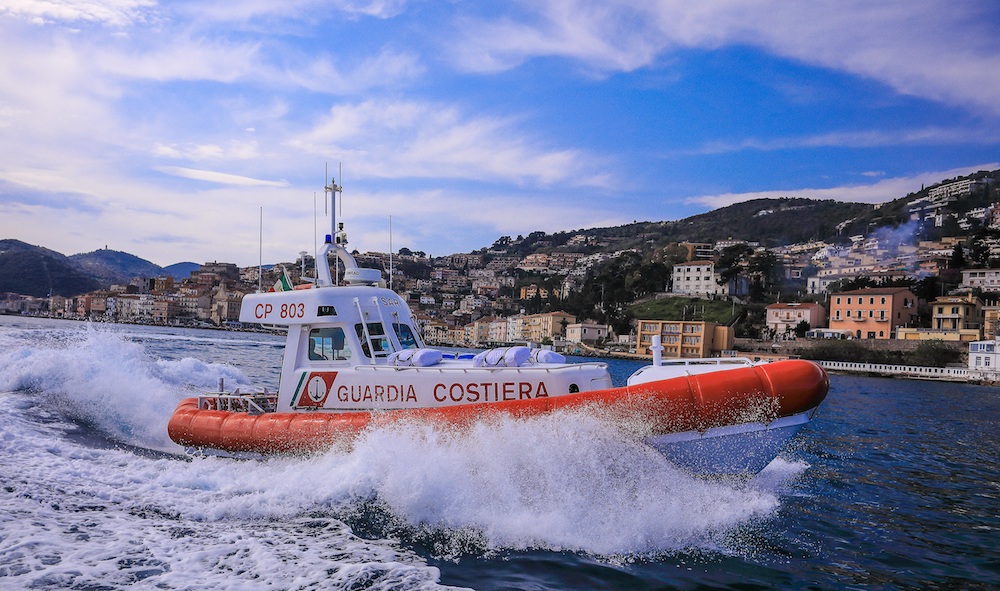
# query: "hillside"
[[38, 273], [772, 222], [180, 271], [112, 266], [34, 270]]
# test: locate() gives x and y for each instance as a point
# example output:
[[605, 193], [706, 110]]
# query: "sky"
[[185, 131]]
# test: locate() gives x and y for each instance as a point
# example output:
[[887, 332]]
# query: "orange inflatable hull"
[[759, 393]]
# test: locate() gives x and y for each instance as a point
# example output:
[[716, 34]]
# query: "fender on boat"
[[760, 393]]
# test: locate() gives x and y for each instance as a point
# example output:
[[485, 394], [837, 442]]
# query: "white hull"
[[734, 449]]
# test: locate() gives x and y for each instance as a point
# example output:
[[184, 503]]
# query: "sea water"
[[895, 485]]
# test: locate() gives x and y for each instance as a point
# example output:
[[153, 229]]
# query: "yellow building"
[[538, 328], [682, 339], [953, 318]]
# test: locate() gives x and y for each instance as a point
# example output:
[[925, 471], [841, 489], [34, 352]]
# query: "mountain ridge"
[[770, 221]]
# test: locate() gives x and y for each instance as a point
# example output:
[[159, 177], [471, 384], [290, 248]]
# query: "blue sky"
[[163, 129]]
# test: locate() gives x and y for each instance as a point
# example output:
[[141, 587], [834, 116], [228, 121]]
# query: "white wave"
[[99, 377], [561, 482], [76, 517]]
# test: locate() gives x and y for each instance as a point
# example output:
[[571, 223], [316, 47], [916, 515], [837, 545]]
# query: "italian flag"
[[284, 283]]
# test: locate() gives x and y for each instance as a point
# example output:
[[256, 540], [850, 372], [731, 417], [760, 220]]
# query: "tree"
[[957, 258], [802, 328]]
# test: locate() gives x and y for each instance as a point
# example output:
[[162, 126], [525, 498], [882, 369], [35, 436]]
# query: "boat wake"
[[561, 482], [98, 377]]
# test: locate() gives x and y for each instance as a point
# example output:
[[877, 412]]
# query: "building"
[[699, 251], [873, 313], [539, 328], [682, 339], [698, 278], [953, 318], [958, 188], [586, 333], [984, 279], [991, 322], [784, 317], [533, 290], [983, 356]]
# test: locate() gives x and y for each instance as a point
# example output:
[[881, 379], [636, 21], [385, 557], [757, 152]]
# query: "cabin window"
[[328, 344], [405, 335], [326, 311], [380, 343]]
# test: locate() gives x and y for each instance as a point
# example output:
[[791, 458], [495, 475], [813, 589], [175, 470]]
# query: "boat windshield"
[[326, 344], [405, 335], [379, 341]]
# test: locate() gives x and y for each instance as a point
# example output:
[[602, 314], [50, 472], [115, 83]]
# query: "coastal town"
[[864, 288]]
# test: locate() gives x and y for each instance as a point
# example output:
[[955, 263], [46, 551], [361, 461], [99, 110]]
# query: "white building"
[[983, 356], [984, 279], [586, 333], [696, 278], [699, 278]]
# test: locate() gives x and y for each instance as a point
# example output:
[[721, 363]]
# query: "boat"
[[354, 359]]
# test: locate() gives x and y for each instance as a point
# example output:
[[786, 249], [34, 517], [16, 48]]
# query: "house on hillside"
[[699, 278], [783, 317], [873, 313], [954, 318]]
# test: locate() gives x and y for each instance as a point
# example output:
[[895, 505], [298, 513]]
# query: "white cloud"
[[880, 192], [424, 140], [222, 178], [929, 48], [244, 11], [115, 13], [852, 139]]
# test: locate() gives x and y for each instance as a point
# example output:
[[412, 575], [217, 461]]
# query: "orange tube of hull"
[[760, 393]]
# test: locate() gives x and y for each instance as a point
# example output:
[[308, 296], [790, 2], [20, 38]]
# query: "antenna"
[[333, 188], [315, 230], [260, 247], [390, 251]]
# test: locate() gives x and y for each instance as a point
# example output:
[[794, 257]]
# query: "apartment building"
[[984, 279], [681, 339], [873, 313], [538, 328], [953, 318], [784, 317], [699, 278]]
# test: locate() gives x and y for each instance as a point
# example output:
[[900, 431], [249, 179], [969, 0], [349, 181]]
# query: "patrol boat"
[[354, 359]]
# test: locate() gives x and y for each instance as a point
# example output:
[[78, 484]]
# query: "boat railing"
[[251, 403], [445, 367]]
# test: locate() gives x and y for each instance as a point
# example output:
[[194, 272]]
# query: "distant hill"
[[39, 272], [114, 267], [34, 270], [772, 222], [11, 246], [180, 271]]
